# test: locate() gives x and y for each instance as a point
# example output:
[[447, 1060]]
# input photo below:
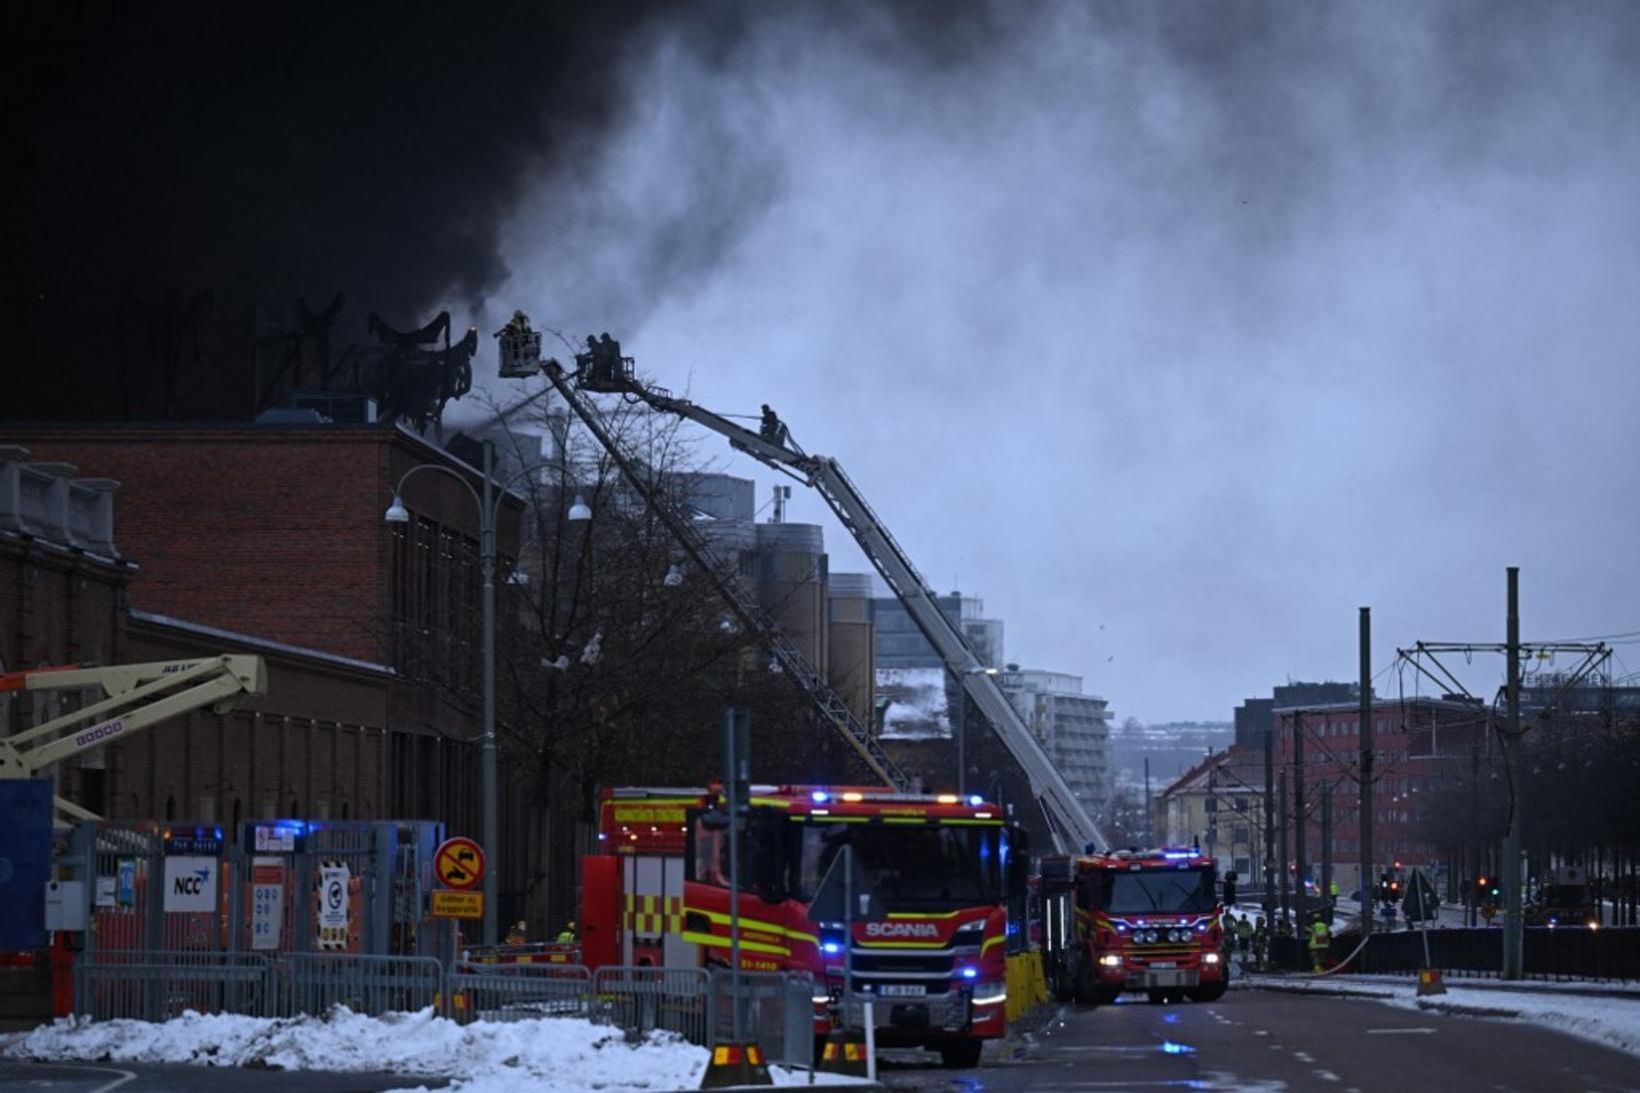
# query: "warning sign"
[[447, 904], [459, 863], [333, 905]]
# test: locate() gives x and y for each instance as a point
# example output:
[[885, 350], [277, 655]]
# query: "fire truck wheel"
[[962, 1055], [1084, 987], [1207, 992]]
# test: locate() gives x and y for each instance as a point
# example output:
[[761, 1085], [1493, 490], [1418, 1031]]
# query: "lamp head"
[[396, 512], [579, 510]]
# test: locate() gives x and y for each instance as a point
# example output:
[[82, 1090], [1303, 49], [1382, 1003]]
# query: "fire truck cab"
[[941, 872], [1134, 920]]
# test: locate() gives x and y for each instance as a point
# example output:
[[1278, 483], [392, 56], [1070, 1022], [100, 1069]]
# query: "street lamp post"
[[398, 514]]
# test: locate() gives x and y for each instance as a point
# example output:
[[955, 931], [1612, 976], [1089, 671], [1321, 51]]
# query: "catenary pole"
[[1513, 932], [1366, 770]]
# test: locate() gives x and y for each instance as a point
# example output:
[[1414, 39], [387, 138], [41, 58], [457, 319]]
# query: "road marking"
[[1326, 1075], [1303, 1058], [1261, 1032], [1388, 1031]]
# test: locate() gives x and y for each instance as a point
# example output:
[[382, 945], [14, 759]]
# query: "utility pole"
[[1269, 828], [1513, 934], [1298, 820], [1366, 771], [1150, 809], [1286, 893], [1595, 655], [1326, 849]]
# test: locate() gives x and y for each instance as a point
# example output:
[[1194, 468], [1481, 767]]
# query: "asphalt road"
[[1263, 1041], [15, 1077], [1251, 1041]]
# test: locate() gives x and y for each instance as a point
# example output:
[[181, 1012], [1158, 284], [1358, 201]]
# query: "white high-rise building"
[[1074, 729]]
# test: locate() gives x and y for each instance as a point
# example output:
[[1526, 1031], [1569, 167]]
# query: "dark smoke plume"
[[183, 159]]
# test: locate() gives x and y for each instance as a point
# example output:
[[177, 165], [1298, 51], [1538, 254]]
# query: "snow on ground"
[[1574, 1008], [548, 1055]]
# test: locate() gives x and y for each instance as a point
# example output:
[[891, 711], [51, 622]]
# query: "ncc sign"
[[190, 883]]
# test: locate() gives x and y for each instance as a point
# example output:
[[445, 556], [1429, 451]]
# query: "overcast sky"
[[1175, 332]]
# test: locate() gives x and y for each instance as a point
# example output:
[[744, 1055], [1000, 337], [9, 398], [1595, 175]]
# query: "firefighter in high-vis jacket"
[[1320, 938]]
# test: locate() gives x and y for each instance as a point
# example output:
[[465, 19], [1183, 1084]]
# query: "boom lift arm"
[[138, 696], [1073, 829]]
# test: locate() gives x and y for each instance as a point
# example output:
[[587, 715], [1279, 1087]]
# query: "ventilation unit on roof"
[[339, 409]]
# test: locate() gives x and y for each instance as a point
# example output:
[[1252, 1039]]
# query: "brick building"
[[266, 539]]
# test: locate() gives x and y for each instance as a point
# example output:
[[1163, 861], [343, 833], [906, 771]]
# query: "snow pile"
[[917, 705], [550, 1055], [1587, 1014]]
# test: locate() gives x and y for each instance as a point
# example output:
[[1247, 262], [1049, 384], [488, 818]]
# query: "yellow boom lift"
[[136, 697]]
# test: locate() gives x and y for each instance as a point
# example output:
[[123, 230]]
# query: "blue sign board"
[[25, 861]]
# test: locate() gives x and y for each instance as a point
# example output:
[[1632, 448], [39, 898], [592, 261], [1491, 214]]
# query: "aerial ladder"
[[828, 704], [606, 371], [137, 696]]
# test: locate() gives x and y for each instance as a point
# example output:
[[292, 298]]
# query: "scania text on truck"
[[940, 871]]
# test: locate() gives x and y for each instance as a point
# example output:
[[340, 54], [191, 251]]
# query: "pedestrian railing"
[[776, 1009], [157, 985], [776, 1013], [371, 985], [517, 992], [643, 1000]]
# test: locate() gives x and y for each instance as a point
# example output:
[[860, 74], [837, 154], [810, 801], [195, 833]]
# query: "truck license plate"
[[901, 990], [1162, 964]]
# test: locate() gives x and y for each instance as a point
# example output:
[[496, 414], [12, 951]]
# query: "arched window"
[[294, 811], [170, 808], [235, 835]]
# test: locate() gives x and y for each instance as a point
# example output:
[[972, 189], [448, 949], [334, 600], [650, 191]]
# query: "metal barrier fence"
[[370, 985], [777, 1013], [777, 1010], [158, 985], [642, 1000], [517, 992], [1608, 953]]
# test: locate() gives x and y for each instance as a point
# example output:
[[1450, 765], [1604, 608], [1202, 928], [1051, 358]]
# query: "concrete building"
[[901, 645], [1074, 729]]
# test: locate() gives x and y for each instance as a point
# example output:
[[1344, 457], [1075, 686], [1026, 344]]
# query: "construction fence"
[[694, 1004]]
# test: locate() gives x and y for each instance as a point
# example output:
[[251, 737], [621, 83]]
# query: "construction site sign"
[[459, 863], [448, 904]]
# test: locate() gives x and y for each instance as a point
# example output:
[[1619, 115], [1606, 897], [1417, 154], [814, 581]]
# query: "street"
[[1266, 1041]]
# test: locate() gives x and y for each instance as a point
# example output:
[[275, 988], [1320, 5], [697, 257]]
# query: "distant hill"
[[1172, 747]]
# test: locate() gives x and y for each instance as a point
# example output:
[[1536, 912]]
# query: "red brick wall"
[[275, 532]]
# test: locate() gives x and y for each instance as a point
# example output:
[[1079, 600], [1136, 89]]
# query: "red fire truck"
[[941, 870], [1133, 920]]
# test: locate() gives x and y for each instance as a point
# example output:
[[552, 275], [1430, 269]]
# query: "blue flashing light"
[[831, 948], [976, 800], [1170, 1048], [819, 796], [602, 837], [970, 973], [1177, 855]]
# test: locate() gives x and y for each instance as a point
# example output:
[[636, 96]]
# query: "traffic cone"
[[844, 1053], [736, 1064]]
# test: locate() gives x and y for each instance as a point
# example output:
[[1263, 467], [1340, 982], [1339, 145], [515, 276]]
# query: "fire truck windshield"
[[911, 868], [1151, 891]]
